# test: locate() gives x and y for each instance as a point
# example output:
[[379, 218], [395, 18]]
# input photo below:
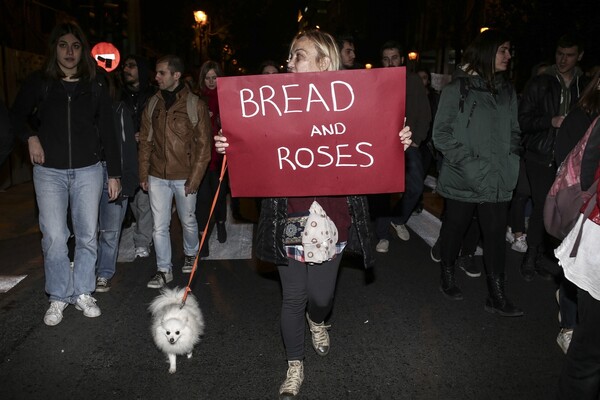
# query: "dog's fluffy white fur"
[[175, 329]]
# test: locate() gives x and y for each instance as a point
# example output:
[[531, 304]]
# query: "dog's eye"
[[177, 333], [168, 332]]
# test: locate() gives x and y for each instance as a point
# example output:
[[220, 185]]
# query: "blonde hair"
[[325, 44]]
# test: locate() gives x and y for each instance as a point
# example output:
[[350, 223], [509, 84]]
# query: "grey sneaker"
[[142, 252], [102, 285], [188, 264], [383, 246], [401, 231], [160, 279], [87, 304], [320, 336], [564, 339], [520, 244], [510, 236], [55, 313], [293, 381]]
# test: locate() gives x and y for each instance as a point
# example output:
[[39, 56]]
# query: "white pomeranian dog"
[[175, 329]]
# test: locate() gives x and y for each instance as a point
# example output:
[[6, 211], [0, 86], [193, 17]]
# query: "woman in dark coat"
[[476, 129]]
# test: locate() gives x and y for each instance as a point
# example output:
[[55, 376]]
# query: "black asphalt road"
[[394, 336]]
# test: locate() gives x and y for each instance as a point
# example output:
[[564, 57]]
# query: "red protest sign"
[[314, 134]]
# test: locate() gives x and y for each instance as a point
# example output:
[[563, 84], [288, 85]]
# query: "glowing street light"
[[201, 39], [200, 17]]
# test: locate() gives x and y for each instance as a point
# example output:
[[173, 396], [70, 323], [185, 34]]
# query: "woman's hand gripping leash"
[[221, 142]]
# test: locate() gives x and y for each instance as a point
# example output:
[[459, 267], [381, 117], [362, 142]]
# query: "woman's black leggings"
[[305, 287]]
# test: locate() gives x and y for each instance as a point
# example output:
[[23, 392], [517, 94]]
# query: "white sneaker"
[[520, 244], [564, 339], [55, 313], [510, 236], [293, 380], [87, 304], [401, 231], [383, 246], [320, 336], [142, 252]]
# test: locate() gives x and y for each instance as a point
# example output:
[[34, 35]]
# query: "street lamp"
[[201, 40], [413, 57], [200, 17]]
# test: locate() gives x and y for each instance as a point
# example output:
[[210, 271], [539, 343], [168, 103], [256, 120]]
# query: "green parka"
[[479, 137]]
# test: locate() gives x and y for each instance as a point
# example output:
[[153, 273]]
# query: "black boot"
[[448, 283], [528, 264], [540, 270], [204, 252], [221, 232], [497, 301]]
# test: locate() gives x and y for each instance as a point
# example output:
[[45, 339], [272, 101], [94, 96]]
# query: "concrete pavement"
[[394, 336]]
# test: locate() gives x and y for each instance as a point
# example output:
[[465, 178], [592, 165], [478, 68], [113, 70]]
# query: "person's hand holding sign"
[[405, 137], [221, 141]]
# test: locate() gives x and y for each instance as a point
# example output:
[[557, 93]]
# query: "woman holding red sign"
[[291, 235]]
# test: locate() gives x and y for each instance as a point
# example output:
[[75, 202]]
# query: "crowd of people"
[[105, 143]]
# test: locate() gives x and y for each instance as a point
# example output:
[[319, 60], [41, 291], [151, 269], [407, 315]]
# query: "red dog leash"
[[203, 238]]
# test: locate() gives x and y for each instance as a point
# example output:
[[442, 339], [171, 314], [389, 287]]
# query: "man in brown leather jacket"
[[174, 151]]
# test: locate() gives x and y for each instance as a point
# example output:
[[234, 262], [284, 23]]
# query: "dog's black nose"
[[172, 340]]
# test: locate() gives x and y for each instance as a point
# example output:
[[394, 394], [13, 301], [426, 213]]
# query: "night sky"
[[263, 29], [258, 30]]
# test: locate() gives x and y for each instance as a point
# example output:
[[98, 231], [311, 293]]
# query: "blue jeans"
[[110, 220], [56, 191], [413, 188], [161, 193], [140, 207]]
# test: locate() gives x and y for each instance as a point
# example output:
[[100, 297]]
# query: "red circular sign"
[[106, 55]]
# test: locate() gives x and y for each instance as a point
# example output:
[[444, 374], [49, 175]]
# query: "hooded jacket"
[[539, 103], [417, 111], [480, 143], [129, 159], [135, 100]]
